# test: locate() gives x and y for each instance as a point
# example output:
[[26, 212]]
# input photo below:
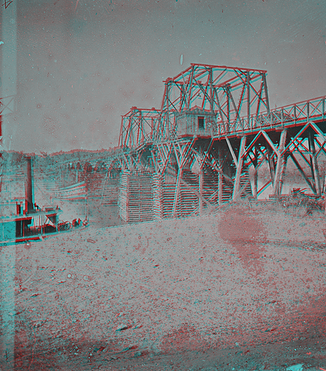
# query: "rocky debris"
[[122, 327], [98, 350], [298, 198], [34, 295]]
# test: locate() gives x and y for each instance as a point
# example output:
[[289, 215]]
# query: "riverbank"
[[138, 294]]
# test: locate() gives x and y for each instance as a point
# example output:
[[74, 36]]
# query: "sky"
[[83, 64]]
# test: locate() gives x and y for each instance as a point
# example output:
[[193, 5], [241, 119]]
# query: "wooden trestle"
[[208, 142], [191, 175]]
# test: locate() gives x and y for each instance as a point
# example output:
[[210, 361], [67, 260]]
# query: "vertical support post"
[[236, 188], [267, 99], [248, 98], [255, 174], [228, 108], [313, 161], [220, 176], [201, 187], [271, 164], [152, 127], [190, 87], [255, 183], [211, 89], [280, 163], [284, 163], [168, 109], [139, 121], [29, 186]]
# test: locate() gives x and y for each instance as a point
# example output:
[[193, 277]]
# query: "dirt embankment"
[[112, 296]]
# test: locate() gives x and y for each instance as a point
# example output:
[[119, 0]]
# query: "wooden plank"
[[255, 183], [269, 142], [232, 152], [314, 162], [280, 163]]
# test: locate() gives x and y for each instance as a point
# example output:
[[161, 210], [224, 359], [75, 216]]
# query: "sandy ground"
[[240, 290]]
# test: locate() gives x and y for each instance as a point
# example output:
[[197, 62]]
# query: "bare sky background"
[[83, 64]]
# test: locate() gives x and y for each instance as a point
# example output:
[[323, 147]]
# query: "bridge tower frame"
[[215, 123]]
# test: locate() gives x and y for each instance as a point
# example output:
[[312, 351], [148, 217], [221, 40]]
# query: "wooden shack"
[[196, 122]]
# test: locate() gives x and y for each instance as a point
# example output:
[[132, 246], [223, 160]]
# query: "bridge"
[[206, 145]]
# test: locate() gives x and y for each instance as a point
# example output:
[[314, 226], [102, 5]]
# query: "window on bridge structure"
[[201, 122]]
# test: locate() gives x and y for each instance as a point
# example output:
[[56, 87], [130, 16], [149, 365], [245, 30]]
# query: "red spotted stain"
[[184, 338], [239, 227]]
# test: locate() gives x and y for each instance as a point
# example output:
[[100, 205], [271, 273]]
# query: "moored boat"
[[23, 220]]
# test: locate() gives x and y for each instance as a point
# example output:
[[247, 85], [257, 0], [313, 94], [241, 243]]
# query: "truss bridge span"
[[215, 140]]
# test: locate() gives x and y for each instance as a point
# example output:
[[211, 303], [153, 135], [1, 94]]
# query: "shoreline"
[[177, 279]]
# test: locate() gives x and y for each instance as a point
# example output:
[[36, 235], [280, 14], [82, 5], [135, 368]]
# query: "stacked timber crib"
[[136, 196], [164, 190], [145, 195]]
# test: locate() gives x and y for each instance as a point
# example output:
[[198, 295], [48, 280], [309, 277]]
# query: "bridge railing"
[[313, 109], [296, 113]]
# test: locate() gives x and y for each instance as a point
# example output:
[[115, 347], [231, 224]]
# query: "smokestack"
[[29, 186]]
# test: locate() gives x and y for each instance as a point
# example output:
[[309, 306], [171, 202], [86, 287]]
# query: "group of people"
[[78, 222]]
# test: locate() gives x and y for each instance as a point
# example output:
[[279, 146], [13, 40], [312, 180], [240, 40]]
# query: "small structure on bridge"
[[196, 122]]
